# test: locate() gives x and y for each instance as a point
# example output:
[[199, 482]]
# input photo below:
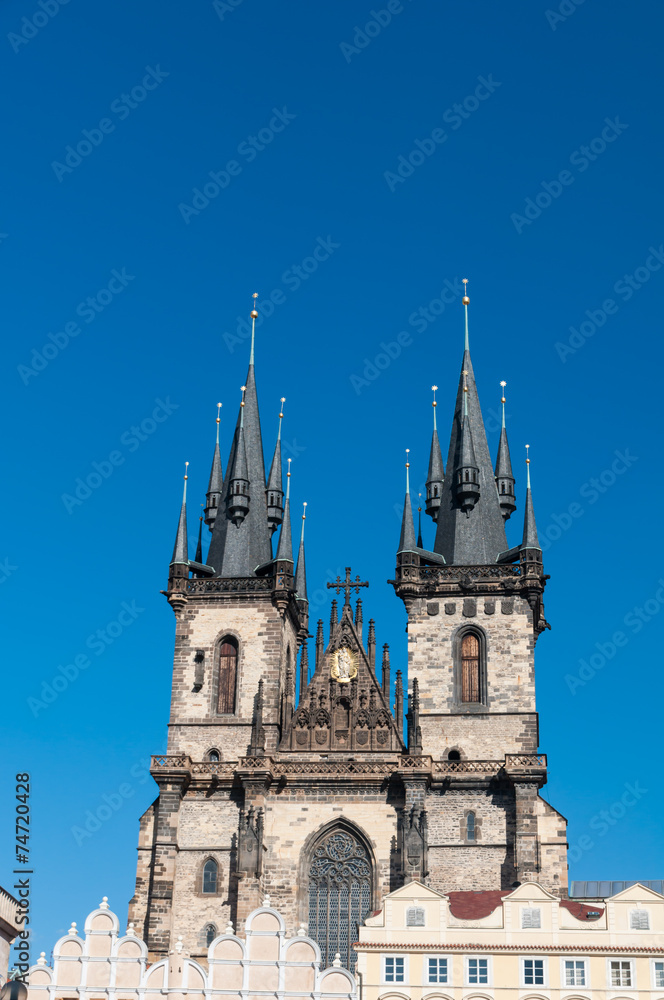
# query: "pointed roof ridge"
[[285, 546], [301, 570], [239, 465], [479, 538], [467, 450], [180, 550], [530, 539], [407, 541], [199, 547], [420, 543], [275, 479], [503, 460], [216, 482]]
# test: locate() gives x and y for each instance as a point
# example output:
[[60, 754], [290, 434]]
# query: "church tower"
[[475, 611], [304, 786]]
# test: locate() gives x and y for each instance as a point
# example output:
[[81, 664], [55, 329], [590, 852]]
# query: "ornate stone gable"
[[343, 707]]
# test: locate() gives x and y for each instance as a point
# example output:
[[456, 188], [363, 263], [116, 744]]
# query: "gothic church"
[[326, 802]]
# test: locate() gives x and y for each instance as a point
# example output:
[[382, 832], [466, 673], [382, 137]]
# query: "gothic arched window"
[[213, 756], [210, 876], [227, 675], [340, 883], [470, 826], [210, 934], [471, 668]]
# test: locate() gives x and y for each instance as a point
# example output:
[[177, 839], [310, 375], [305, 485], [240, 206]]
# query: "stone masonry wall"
[[432, 626], [263, 639]]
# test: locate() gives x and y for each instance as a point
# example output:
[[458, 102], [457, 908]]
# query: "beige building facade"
[[527, 944]]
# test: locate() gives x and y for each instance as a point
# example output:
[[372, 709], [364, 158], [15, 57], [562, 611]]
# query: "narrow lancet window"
[[227, 676], [470, 668]]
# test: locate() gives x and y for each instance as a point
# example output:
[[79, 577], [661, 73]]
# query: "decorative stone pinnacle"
[[230, 929], [302, 930], [104, 902], [72, 929], [337, 961]]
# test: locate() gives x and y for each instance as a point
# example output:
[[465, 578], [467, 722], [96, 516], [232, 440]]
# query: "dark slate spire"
[[478, 536], [275, 486], [466, 475], [420, 543], [504, 476], [301, 571], [199, 548], [239, 550], [238, 498], [216, 485], [407, 540], [304, 669], [285, 546], [436, 474], [385, 680], [180, 552], [530, 539]]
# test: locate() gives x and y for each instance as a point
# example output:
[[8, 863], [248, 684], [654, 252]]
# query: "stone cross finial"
[[347, 585]]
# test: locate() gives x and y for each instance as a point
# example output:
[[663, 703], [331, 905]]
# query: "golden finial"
[[254, 311], [434, 389], [419, 502], [527, 455], [243, 389], [289, 460], [186, 469], [527, 467], [465, 299], [281, 408], [407, 468], [219, 405], [304, 511], [254, 317], [502, 386], [465, 376]]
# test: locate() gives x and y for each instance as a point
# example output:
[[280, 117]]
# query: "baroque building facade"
[[306, 785]]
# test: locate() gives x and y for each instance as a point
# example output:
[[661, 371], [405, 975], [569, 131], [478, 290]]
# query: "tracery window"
[[470, 826], [340, 880], [210, 874], [471, 668], [210, 934], [227, 675]]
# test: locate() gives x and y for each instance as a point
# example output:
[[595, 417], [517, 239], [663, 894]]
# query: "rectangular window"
[[394, 969], [478, 971], [533, 972], [621, 973], [658, 975], [638, 920], [575, 973], [531, 917], [437, 970]]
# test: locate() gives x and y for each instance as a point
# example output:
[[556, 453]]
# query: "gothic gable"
[[343, 707]]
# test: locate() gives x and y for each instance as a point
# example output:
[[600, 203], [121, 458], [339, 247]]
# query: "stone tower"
[[305, 788]]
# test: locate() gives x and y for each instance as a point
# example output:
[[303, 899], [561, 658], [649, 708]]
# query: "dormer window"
[[531, 916], [639, 920]]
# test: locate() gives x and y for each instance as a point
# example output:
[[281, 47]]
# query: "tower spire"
[[530, 539], [216, 484], [470, 529], [407, 539], [254, 317], [240, 544], [285, 546], [504, 477], [436, 475], [238, 498], [275, 488], [199, 547], [420, 543], [180, 553], [466, 303], [301, 571]]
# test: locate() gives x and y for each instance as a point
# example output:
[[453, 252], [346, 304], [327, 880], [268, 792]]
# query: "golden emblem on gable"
[[344, 665]]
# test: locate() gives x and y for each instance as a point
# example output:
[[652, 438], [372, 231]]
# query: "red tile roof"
[[581, 910], [473, 905]]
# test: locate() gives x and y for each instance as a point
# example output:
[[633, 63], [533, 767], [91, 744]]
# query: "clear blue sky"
[[334, 115]]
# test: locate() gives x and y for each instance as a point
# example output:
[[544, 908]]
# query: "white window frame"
[[545, 972], [632, 977], [641, 912], [653, 972], [448, 959], [531, 909], [586, 973], [489, 970], [395, 982]]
